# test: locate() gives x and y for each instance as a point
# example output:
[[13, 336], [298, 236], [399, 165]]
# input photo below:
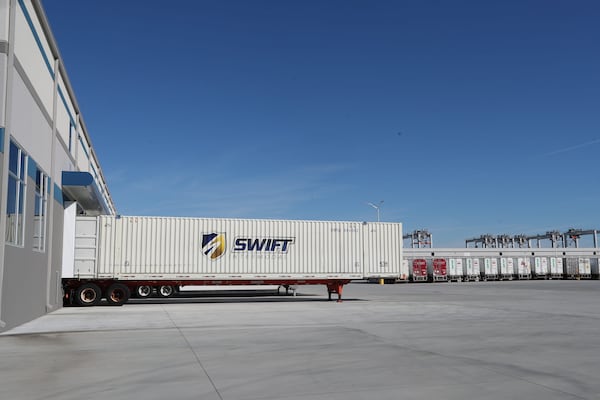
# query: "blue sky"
[[465, 117]]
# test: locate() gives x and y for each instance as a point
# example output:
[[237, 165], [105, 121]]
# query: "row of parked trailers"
[[435, 266]]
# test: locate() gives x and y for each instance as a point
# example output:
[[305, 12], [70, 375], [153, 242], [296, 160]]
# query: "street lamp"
[[376, 207]]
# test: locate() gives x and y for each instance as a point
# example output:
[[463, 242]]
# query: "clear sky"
[[464, 117]]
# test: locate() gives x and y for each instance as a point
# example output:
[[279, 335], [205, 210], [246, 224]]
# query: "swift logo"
[[213, 245], [263, 245]]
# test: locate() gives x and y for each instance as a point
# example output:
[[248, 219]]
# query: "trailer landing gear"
[[335, 287]]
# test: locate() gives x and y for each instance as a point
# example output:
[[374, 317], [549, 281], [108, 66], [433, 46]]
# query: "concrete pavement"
[[486, 340]]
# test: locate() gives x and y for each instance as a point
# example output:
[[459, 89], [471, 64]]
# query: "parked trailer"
[[577, 268], [405, 272], [490, 269], [507, 268], [556, 268], [118, 256], [524, 268], [473, 270], [585, 268], [418, 270], [455, 270], [540, 268], [571, 268], [438, 270]]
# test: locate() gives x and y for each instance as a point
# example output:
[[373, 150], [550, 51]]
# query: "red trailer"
[[439, 271], [418, 271]]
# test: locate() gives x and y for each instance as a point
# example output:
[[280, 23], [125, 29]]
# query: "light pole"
[[376, 207]]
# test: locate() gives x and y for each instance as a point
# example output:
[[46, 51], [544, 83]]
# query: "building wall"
[[39, 114]]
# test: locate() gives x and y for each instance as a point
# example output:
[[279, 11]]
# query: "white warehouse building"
[[49, 170]]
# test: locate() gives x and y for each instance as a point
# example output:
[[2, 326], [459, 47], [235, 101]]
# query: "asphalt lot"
[[485, 340]]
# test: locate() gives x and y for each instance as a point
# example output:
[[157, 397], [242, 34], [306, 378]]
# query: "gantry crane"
[[419, 239], [572, 236], [486, 241]]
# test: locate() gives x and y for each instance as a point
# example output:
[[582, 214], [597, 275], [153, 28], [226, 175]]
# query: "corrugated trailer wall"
[[198, 248], [383, 251]]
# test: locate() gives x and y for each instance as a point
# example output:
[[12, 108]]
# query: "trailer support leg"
[[335, 287]]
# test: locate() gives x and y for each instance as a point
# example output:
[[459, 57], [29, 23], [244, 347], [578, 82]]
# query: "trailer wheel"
[[144, 291], [88, 294], [117, 294], [166, 291]]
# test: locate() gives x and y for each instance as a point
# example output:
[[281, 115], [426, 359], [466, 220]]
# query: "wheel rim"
[[166, 290], [88, 295], [117, 295], [144, 291]]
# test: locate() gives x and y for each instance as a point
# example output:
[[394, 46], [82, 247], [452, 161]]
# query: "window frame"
[[17, 236], [41, 201]]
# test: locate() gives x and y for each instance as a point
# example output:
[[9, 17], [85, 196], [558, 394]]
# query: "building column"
[[50, 201], [7, 97]]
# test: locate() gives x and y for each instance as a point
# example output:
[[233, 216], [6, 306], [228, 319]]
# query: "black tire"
[[88, 294], [117, 294], [143, 291], [166, 291]]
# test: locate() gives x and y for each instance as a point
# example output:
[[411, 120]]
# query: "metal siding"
[[24, 292], [382, 249], [158, 247], [85, 247], [4, 18], [75, 145], [62, 162], [32, 59], [62, 115], [65, 100], [3, 77], [82, 155], [29, 126], [29, 286]]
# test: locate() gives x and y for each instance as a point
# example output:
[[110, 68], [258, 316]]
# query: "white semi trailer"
[[116, 256]]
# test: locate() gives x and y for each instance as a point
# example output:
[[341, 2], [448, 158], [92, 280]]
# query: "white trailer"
[[507, 268], [473, 269], [556, 267], [585, 268], [455, 269], [490, 269], [540, 268], [524, 267], [117, 256]]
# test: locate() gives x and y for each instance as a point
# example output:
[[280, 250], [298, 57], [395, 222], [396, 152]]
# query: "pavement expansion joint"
[[194, 353]]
